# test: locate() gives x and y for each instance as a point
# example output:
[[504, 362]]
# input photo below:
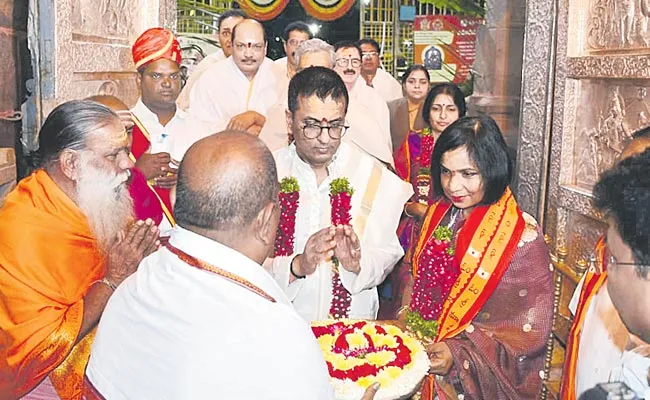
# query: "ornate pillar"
[[497, 78]]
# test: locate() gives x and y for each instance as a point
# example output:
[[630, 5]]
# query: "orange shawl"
[[48, 260], [484, 249], [592, 283]]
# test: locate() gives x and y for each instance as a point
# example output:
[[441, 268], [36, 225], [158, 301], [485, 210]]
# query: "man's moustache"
[[348, 70]]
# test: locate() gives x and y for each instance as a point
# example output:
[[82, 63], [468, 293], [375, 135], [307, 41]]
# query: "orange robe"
[[48, 260]]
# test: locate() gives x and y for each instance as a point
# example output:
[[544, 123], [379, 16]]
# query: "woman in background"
[[412, 147]]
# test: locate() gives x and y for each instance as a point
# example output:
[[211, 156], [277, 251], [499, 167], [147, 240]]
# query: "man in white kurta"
[[362, 96], [221, 327], [374, 76], [225, 24], [237, 92], [376, 206], [363, 127]]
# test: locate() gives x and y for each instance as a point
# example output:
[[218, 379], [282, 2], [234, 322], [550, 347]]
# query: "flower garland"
[[437, 272], [423, 182], [349, 346], [340, 201], [288, 198], [428, 141]]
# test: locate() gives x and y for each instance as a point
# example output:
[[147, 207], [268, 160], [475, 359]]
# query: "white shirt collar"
[[334, 169], [227, 259], [143, 113]]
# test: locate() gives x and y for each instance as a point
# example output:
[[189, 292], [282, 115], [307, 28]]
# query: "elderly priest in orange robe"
[[67, 239]]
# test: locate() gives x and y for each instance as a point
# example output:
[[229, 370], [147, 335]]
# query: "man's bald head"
[[111, 102], [224, 182], [117, 106], [249, 27]]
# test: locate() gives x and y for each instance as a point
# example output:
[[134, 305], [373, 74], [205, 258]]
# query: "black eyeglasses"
[[335, 131], [344, 62]]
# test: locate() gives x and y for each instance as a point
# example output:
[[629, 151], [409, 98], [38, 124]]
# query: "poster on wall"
[[446, 45]]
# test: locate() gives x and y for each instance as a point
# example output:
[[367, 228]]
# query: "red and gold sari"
[[498, 314]]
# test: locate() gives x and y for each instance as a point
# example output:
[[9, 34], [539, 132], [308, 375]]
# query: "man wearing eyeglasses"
[[348, 66], [294, 34], [600, 348], [363, 126], [237, 92], [368, 248], [387, 86], [225, 25]]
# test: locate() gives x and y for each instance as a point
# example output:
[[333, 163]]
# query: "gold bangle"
[[406, 210]]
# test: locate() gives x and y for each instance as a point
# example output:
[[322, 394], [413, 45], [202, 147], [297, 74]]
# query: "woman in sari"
[[481, 291], [444, 104]]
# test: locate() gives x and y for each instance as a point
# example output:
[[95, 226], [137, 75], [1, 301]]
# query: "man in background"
[[348, 66], [237, 93], [387, 86], [158, 121], [294, 34], [225, 25]]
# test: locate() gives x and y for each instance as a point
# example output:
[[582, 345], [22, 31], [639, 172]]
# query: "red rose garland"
[[340, 201], [437, 272], [288, 198], [426, 147]]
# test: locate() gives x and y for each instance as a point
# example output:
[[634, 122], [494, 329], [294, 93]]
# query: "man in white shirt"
[[225, 25], [201, 318], [158, 121], [387, 86], [294, 34], [368, 248], [237, 92], [348, 66], [363, 126]]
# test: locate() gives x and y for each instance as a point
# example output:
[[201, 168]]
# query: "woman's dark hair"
[[484, 142], [414, 67], [67, 127], [444, 88]]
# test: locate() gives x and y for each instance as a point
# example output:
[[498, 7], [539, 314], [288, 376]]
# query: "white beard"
[[105, 200]]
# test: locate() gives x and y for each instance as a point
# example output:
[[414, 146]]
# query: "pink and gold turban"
[[155, 44]]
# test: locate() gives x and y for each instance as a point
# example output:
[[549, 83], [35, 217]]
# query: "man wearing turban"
[[159, 123]]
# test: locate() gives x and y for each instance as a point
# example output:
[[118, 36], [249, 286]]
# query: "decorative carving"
[[583, 234], [105, 18], [618, 24], [610, 66], [605, 127], [535, 110]]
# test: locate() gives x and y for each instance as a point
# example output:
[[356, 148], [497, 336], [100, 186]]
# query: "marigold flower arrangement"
[[359, 353]]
